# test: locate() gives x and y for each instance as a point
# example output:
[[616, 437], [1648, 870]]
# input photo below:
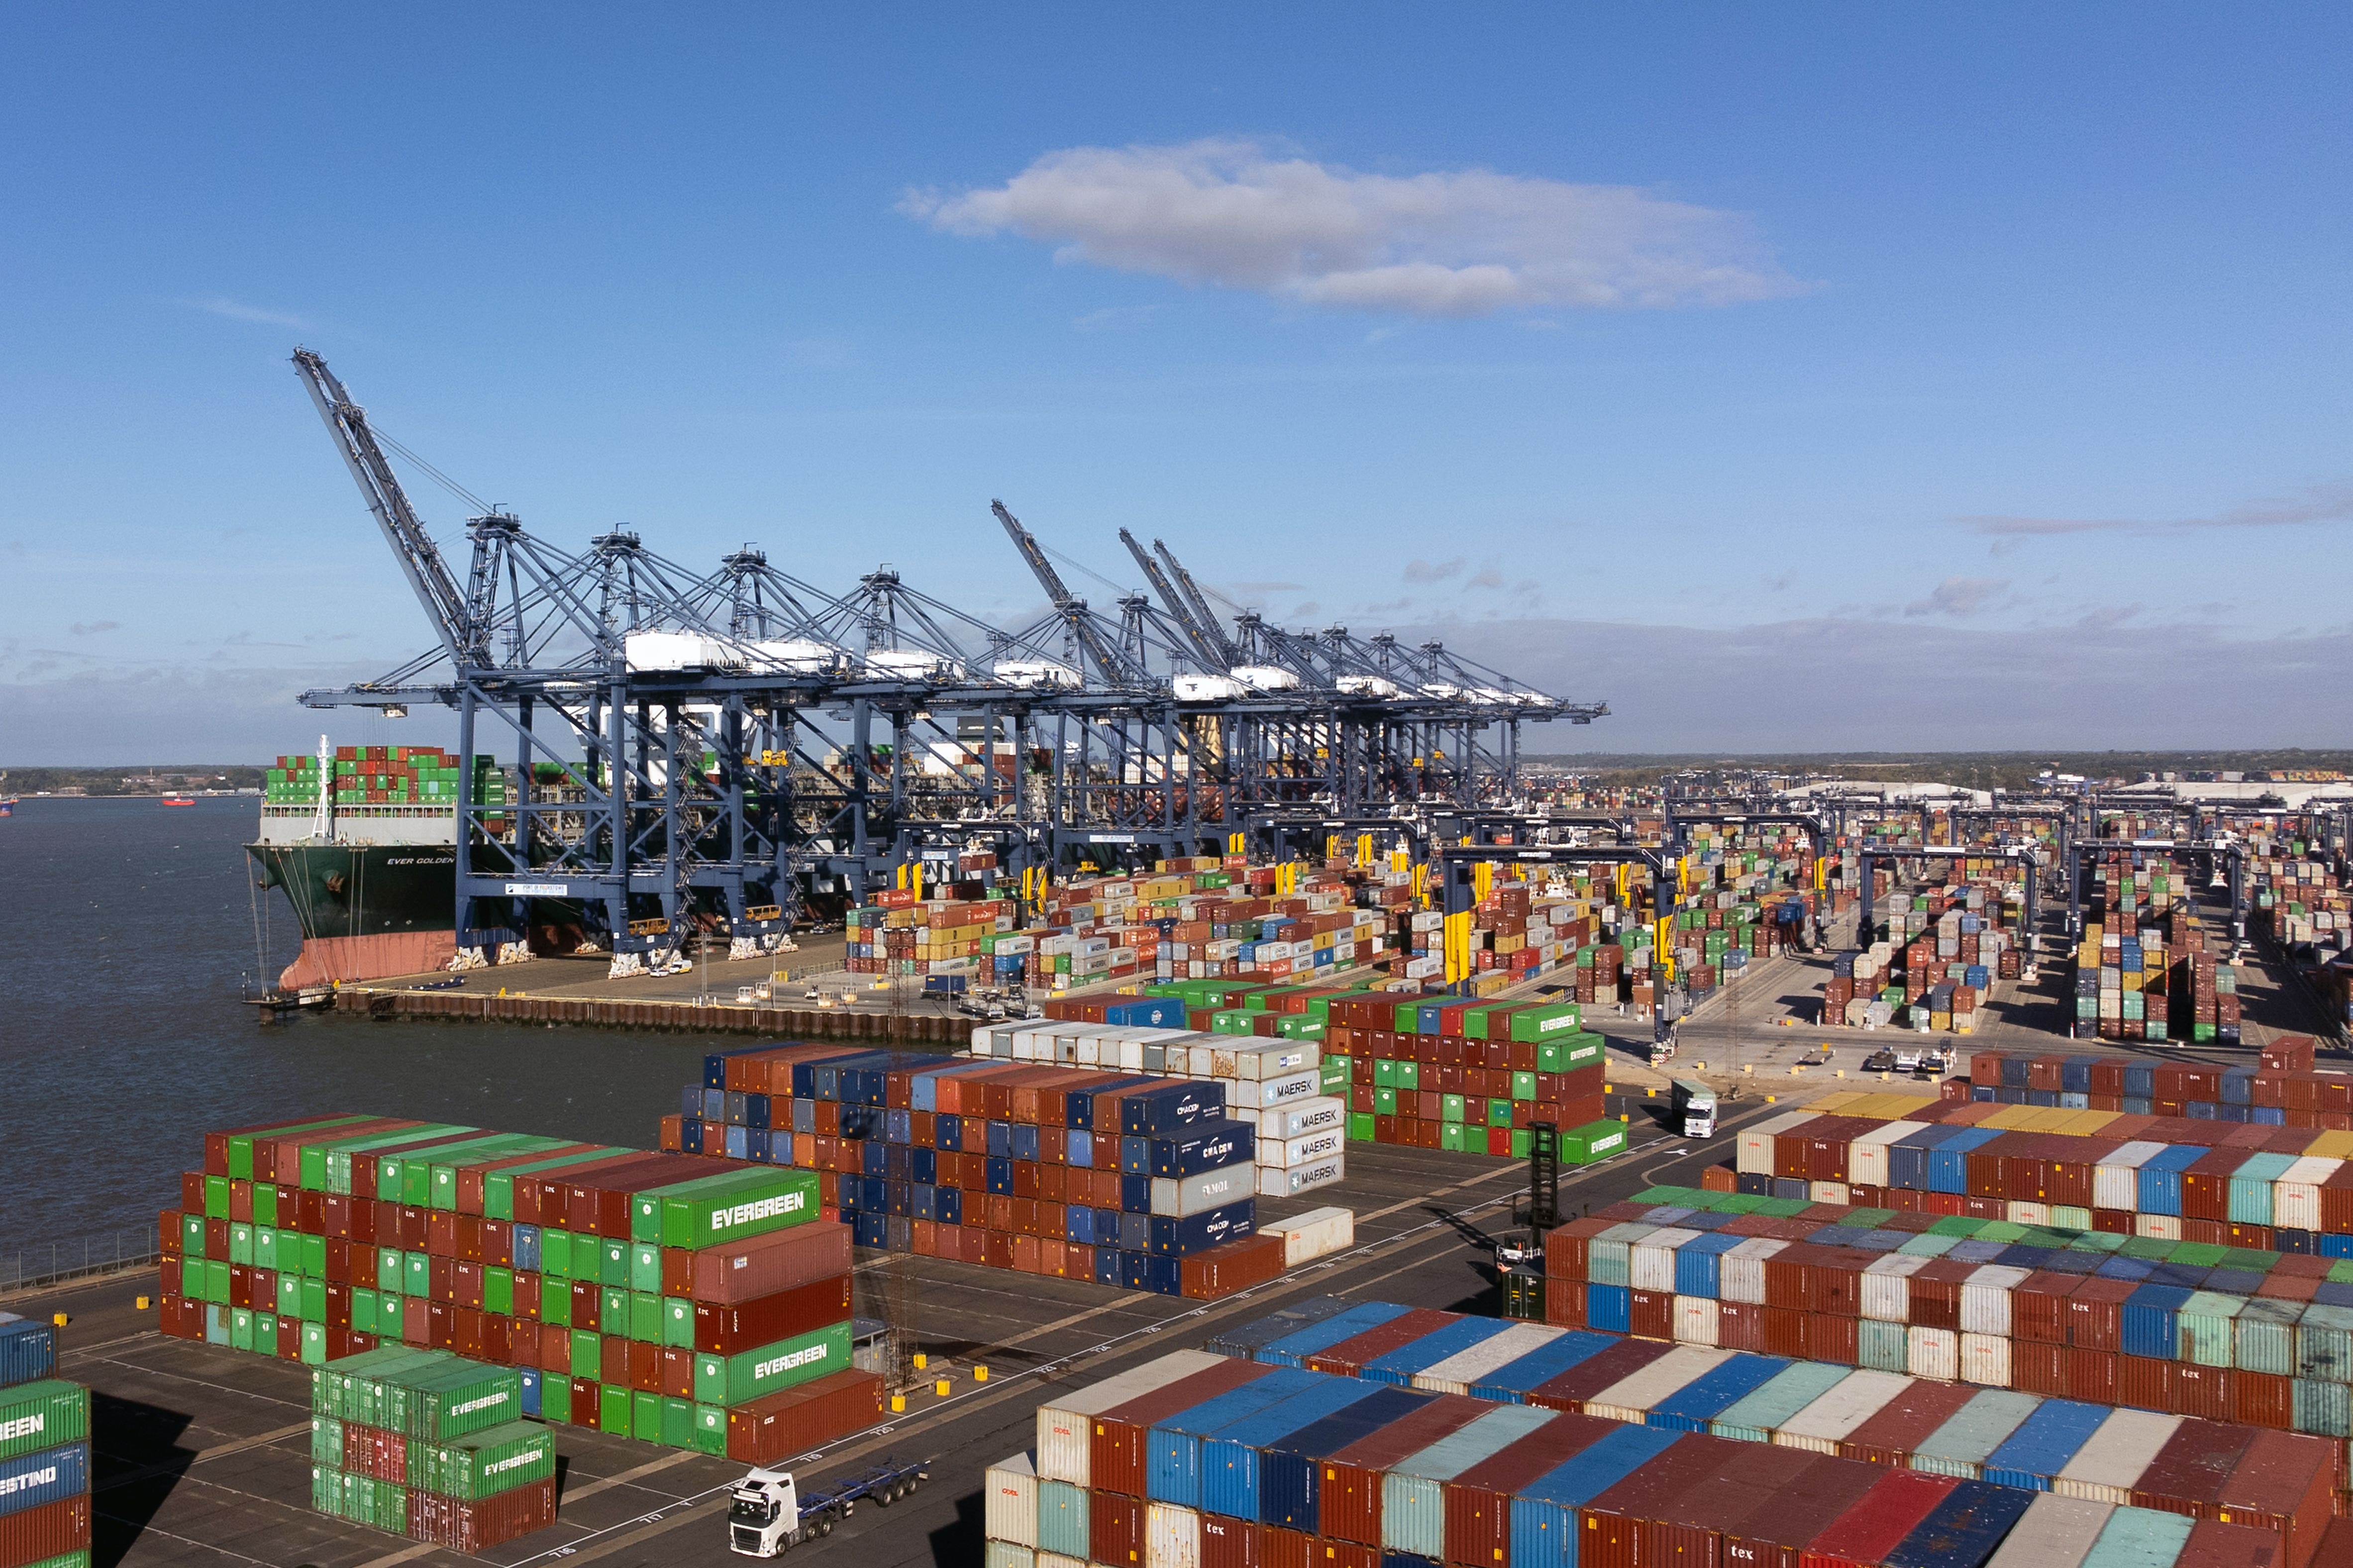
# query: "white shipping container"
[[1458, 1372], [1887, 1288], [2158, 1226], [2295, 1195], [1985, 1359], [1866, 1157], [1065, 1427], [1834, 1414], [2054, 1532], [1754, 1154], [1631, 1397], [1318, 1232], [1828, 1192], [1740, 1273], [1010, 1507], [1933, 1353], [1697, 1320], [1283, 1122], [1182, 1197], [1297, 1151], [2022, 1211], [1326, 1173], [2113, 1459], [1172, 1536], [1651, 1262], [1985, 1298], [1292, 1089]]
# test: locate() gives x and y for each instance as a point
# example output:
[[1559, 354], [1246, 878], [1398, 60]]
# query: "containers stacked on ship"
[[427, 1444], [645, 1294], [1180, 1464], [2257, 1337], [44, 1452], [1131, 1180]]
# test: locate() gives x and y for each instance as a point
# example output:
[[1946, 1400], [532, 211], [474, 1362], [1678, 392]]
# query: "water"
[[128, 926]]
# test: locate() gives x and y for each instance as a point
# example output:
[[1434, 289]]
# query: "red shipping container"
[[1479, 1501], [2095, 1313], [1222, 1271], [1651, 1314], [2263, 1399], [2285, 1484], [1115, 1445], [763, 1320], [795, 1420], [36, 1535], [1863, 1536], [1228, 1543], [2038, 1306], [1775, 1536], [1739, 1325], [2038, 1368], [1829, 1339], [1891, 1433], [2201, 1390], [1569, 1390], [1349, 1504], [1114, 1528], [2187, 1474], [2092, 1377], [477, 1526], [1611, 1527]]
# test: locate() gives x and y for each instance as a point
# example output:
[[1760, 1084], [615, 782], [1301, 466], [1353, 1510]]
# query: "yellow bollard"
[[1651, 1093], [921, 1361], [941, 1388], [1748, 1068], [60, 1319], [1838, 1072], [142, 1303], [980, 1375], [1623, 1117], [898, 1404], [1772, 1098]]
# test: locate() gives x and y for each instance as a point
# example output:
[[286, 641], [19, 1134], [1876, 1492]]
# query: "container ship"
[[362, 842]]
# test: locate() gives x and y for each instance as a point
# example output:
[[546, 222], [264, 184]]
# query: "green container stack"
[[431, 1445], [44, 1453]]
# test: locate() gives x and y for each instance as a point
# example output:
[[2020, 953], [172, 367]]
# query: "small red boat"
[[179, 800]]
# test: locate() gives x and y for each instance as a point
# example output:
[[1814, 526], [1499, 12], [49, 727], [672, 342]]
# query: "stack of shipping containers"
[[645, 1294], [1471, 1075], [424, 1444], [44, 1452], [1190, 1463], [1131, 1180]]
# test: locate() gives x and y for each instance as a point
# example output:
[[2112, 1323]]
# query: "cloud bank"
[[1229, 214], [2315, 504]]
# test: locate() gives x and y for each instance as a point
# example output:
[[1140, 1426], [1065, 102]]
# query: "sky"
[[1795, 377]]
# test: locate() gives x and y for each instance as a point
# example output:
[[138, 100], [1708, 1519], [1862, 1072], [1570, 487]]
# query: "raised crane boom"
[[1227, 652], [428, 574], [1204, 640], [1109, 665]]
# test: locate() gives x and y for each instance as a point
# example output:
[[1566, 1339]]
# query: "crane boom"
[[1204, 643], [1227, 652], [428, 574], [1080, 625]]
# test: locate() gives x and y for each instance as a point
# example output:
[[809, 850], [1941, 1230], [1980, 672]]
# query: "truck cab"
[[764, 1515], [1694, 1108]]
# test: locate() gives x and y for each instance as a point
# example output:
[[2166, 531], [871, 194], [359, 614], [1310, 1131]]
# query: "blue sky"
[[1794, 377]]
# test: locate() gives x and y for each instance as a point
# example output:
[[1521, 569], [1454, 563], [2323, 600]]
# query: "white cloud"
[[1226, 211], [1960, 596], [236, 311], [2315, 503], [1421, 571]]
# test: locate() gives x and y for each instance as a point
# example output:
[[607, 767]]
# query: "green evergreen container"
[[483, 1464], [735, 1380], [50, 1412], [729, 1207]]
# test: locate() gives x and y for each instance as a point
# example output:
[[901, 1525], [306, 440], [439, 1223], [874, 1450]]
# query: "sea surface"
[[130, 932]]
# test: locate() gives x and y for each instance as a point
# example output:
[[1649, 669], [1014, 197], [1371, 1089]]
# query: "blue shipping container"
[[32, 1480]]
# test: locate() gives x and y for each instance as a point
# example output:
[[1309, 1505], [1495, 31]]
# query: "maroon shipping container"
[[1863, 1536], [1757, 1480], [1612, 1528], [2038, 1306], [2096, 1314], [1114, 1528], [765, 1319], [765, 1264], [2263, 1399], [795, 1420], [2092, 1377], [1569, 1390], [1349, 1508], [1236, 1266], [2216, 1545], [2039, 1368], [1115, 1446], [2201, 1390], [1348, 1357], [1479, 1501], [473, 1526], [1566, 1247], [2286, 1484], [1776, 1535], [2188, 1473], [36, 1535], [1935, 1294], [1228, 1543]]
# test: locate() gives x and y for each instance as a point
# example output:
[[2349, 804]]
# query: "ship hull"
[[369, 911]]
